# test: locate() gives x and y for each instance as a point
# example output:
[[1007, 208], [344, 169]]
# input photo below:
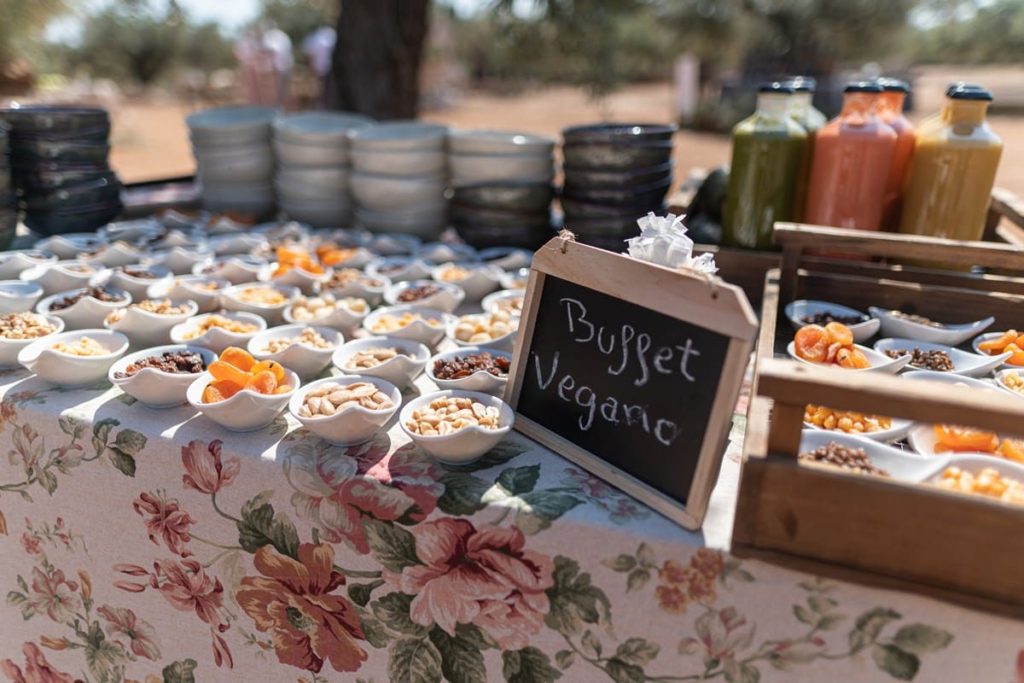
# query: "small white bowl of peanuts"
[[306, 349], [397, 360], [18, 330], [346, 410], [457, 427], [495, 330]]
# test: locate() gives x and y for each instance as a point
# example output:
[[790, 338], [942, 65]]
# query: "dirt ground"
[[150, 139]]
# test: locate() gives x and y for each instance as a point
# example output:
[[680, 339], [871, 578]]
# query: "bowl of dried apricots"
[[999, 343], [832, 345], [241, 393]]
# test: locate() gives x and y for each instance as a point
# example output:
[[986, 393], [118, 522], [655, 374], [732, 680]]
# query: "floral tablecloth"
[[142, 545]]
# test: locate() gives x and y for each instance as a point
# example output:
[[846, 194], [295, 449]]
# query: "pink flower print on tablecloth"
[[336, 491], [484, 577], [205, 471], [165, 520], [122, 625], [294, 601], [37, 669], [53, 594]]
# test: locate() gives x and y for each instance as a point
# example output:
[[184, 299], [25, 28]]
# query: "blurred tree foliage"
[[21, 24], [299, 18], [972, 31]]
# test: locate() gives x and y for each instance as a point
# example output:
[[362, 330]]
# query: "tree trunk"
[[377, 57]]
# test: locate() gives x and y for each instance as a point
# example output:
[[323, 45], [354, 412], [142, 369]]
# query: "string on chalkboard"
[[566, 236]]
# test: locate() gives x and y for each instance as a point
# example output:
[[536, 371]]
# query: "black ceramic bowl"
[[619, 132], [598, 177], [621, 196], [29, 151], [576, 209], [512, 196], [42, 181], [71, 197], [82, 219], [56, 121], [461, 213], [617, 156], [524, 236]]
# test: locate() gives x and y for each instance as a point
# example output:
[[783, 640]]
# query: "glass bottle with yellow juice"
[[890, 110], [952, 171]]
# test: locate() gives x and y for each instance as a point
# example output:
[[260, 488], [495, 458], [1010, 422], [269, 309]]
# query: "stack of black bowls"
[[8, 200], [614, 174], [60, 168]]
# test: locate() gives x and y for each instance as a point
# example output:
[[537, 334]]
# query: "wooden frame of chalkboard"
[[661, 436]]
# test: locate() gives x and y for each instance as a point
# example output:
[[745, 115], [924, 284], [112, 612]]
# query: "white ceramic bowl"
[[393, 244], [138, 286], [272, 313], [188, 288], [242, 164], [417, 330], [951, 335], [372, 293], [70, 245], [179, 260], [400, 370], [155, 388], [467, 444], [964, 363], [120, 253], [131, 230], [306, 155], [69, 371], [975, 464], [501, 300], [231, 125], [237, 244], [307, 361], [382, 192], [900, 464], [13, 263], [436, 253], [976, 345], [247, 410], [319, 127], [447, 298], [481, 380], [399, 135], [188, 237], [399, 268], [949, 378], [341, 318], [862, 331], [499, 142], [237, 270], [217, 338], [515, 279], [17, 296], [506, 258], [62, 276], [922, 439], [503, 343], [87, 312], [146, 329], [426, 221], [353, 424], [406, 163], [300, 278], [895, 432], [468, 169], [879, 361], [9, 348], [1001, 380], [482, 279]]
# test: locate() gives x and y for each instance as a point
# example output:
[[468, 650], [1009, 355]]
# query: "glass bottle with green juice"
[[802, 110], [953, 168], [767, 155]]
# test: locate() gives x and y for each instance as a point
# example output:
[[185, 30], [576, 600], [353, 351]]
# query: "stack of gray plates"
[[234, 159], [399, 178], [501, 185], [312, 180]]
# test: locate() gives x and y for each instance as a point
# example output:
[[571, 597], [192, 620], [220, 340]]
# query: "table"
[[153, 546]]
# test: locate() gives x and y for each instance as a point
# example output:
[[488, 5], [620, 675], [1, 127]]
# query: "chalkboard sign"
[[631, 370]]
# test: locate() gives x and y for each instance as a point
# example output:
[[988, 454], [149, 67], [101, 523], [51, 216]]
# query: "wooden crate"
[[878, 531]]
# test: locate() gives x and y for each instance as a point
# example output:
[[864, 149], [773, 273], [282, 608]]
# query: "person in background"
[[247, 53], [318, 47], [279, 46]]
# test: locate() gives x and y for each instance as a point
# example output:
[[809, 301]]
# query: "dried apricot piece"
[[852, 358], [964, 440], [1018, 354], [1012, 449], [839, 334], [272, 366], [238, 357], [993, 346], [283, 389], [222, 370], [811, 343], [262, 382], [219, 391]]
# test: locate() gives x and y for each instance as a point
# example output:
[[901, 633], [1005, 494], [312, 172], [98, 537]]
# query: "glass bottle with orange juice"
[[852, 159], [890, 110], [951, 174]]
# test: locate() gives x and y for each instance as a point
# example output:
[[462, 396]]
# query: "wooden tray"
[[878, 531]]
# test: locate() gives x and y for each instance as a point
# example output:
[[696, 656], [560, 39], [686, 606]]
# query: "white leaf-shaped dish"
[[307, 361], [63, 276], [18, 296], [217, 338], [352, 424], [14, 263], [482, 279], [66, 370], [419, 330], [191, 287], [879, 361], [447, 298], [964, 363], [144, 328], [399, 268], [155, 388], [481, 380], [979, 340], [400, 370], [900, 464], [231, 300], [952, 335], [796, 311], [138, 287], [87, 312]]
